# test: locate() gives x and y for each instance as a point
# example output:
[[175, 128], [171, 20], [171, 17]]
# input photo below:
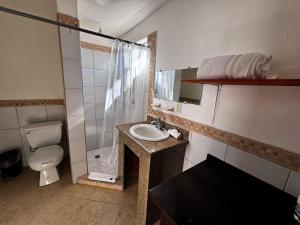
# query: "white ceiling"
[[115, 16]]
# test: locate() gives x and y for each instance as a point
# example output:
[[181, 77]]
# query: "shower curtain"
[[164, 84], [126, 88]]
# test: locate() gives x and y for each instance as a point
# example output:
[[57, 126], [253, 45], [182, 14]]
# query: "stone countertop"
[[150, 146]]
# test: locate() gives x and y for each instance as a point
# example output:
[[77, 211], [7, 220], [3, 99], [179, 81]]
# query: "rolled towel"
[[246, 66]]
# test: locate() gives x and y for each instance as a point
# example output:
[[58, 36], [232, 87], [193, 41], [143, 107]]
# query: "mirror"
[[169, 86]]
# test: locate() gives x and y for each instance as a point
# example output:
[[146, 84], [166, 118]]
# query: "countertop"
[[150, 146], [214, 192]]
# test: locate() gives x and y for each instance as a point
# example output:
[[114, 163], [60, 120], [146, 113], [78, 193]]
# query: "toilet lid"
[[46, 154]]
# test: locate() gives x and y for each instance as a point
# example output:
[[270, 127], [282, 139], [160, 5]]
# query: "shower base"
[[96, 165], [96, 161]]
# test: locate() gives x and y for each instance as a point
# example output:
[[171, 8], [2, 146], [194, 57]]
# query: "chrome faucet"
[[158, 123]]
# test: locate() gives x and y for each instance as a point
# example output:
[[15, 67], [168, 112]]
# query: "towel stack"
[[245, 66]]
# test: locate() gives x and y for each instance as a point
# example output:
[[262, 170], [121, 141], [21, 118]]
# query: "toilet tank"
[[43, 134]]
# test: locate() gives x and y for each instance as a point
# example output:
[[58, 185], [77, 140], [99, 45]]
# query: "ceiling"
[[115, 16]]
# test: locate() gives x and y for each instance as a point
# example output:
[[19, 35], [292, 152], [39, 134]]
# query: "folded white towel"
[[246, 66], [174, 133]]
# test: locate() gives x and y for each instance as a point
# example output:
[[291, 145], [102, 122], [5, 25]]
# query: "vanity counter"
[[152, 147], [158, 162]]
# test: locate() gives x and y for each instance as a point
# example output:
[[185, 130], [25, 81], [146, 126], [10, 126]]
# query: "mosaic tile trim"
[[152, 168], [66, 19], [30, 102], [152, 39], [92, 46], [274, 154]]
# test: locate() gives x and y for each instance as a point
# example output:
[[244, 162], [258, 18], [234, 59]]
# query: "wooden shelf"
[[274, 82]]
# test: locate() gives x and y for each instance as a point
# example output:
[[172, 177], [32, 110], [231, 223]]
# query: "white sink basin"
[[148, 132]]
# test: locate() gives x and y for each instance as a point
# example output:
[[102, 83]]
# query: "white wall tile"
[[77, 150], [89, 95], [70, 44], [187, 164], [99, 124], [293, 184], [88, 77], [78, 169], [91, 134], [100, 107], [267, 171], [74, 102], [265, 114], [72, 73], [76, 127], [91, 142], [87, 58], [100, 77], [10, 139], [100, 94], [205, 111], [24, 139], [90, 127], [8, 118], [101, 60], [108, 138], [31, 114], [188, 147], [200, 146], [55, 112], [25, 148], [89, 112], [27, 154]]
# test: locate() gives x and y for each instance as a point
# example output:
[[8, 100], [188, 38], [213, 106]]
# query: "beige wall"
[[217, 27], [30, 58]]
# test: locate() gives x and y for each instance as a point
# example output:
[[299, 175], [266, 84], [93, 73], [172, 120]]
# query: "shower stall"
[[114, 92]]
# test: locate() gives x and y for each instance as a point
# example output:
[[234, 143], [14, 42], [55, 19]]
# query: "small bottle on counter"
[[297, 210]]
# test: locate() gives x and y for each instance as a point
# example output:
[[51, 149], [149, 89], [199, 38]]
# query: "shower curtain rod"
[[54, 22]]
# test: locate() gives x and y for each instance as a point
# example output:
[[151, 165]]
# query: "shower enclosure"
[[114, 91]]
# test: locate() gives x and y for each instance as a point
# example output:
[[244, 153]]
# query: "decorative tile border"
[[66, 19], [96, 47], [152, 38], [30, 102], [277, 155]]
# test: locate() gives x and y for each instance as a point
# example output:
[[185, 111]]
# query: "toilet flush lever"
[[30, 132]]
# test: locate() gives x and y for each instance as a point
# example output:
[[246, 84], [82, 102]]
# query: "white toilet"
[[43, 139]]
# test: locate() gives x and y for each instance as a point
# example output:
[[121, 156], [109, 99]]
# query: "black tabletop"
[[216, 193]]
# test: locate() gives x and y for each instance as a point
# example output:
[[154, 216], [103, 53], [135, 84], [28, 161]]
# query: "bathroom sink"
[[148, 132]]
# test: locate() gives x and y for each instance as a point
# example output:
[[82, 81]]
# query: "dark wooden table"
[[216, 193]]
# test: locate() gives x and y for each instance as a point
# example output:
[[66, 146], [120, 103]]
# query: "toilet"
[[43, 139]]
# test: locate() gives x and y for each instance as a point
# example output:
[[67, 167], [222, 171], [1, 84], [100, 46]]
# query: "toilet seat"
[[46, 157]]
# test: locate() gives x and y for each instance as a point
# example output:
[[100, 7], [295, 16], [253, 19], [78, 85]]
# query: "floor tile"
[[23, 202]]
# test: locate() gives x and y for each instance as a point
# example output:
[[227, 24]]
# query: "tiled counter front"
[[158, 162]]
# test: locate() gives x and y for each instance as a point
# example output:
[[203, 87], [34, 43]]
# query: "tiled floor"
[[22, 202]]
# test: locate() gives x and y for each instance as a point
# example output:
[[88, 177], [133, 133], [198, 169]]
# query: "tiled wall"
[[70, 48], [13, 119], [94, 75], [267, 171]]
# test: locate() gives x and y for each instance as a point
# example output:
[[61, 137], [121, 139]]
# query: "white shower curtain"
[[126, 88], [164, 84]]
